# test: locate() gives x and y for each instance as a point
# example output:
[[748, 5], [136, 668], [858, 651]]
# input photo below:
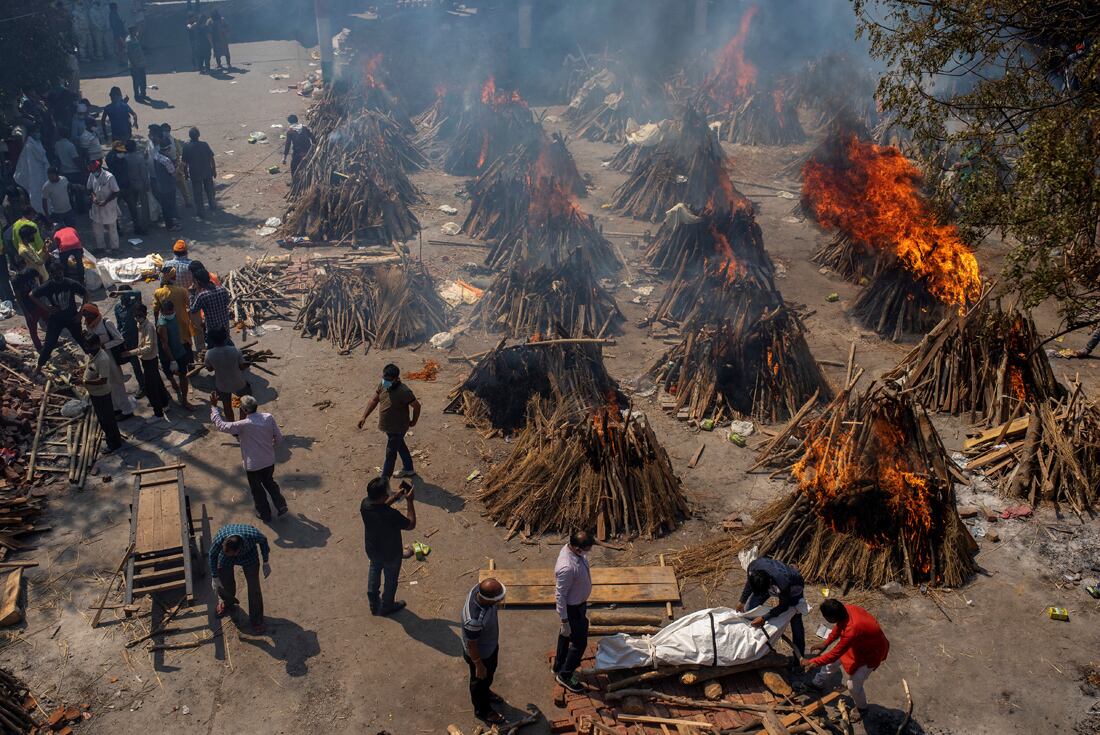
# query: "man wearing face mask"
[[395, 399], [480, 639], [104, 212], [572, 587]]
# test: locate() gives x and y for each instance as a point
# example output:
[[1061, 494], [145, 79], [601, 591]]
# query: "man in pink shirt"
[[259, 435], [573, 586]]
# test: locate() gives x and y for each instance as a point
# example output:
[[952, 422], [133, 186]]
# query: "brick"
[[56, 717]]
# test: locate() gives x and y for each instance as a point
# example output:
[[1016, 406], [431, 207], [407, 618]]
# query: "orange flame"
[[727, 265], [734, 76], [875, 200], [370, 68], [498, 99], [484, 149]]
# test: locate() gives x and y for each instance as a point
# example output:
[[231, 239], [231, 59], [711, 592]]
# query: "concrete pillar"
[[526, 16], [324, 40]]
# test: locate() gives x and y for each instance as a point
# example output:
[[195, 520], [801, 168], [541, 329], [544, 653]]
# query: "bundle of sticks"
[[504, 194], [611, 119], [589, 94], [835, 86], [848, 258], [256, 291], [548, 297], [602, 469], [897, 305], [986, 361], [346, 98], [559, 370], [439, 122], [1051, 454], [387, 306], [875, 501], [488, 129], [63, 445], [688, 166], [764, 117], [760, 368], [724, 290], [353, 184], [686, 243], [15, 717], [19, 511], [628, 158]]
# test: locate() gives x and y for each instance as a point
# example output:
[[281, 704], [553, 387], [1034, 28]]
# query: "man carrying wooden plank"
[[861, 647], [480, 638], [240, 545], [573, 586], [769, 577]]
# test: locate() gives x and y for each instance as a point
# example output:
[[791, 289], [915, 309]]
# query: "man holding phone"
[[382, 527]]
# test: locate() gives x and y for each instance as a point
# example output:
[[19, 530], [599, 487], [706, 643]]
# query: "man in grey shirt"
[[228, 365], [480, 634]]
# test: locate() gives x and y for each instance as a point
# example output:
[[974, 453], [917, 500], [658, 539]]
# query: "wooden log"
[[623, 617], [707, 674], [111, 584], [11, 609], [628, 629], [654, 675]]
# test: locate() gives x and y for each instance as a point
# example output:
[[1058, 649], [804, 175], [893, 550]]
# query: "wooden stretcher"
[[651, 584], [166, 540]]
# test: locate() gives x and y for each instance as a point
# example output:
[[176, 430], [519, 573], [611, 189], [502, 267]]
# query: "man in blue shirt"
[[240, 545], [768, 577], [122, 117]]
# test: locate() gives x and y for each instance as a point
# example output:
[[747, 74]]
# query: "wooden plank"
[[183, 511], [695, 457], [176, 585], [11, 612], [165, 468], [601, 594], [142, 580], [600, 575], [165, 559], [701, 724], [772, 724], [1019, 426]]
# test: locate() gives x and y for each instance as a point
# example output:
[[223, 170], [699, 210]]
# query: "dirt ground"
[[981, 660]]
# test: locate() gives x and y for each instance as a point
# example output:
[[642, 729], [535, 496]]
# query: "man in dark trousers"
[[240, 545], [299, 141], [382, 527], [572, 587], [57, 298], [768, 577], [480, 639], [201, 169], [97, 374], [396, 399]]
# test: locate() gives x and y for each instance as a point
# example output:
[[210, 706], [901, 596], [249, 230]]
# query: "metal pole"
[[324, 39]]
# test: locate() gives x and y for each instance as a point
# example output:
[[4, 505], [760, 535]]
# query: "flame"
[[875, 200], [726, 263], [734, 76], [484, 149], [607, 418], [1016, 382], [440, 90], [491, 97], [370, 69]]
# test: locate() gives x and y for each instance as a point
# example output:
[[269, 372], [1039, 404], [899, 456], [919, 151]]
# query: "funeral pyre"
[[491, 125], [609, 104], [875, 501], [602, 468], [387, 306], [871, 195], [499, 391], [986, 362]]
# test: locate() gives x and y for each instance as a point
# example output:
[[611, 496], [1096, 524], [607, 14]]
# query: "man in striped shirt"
[[240, 545], [209, 299]]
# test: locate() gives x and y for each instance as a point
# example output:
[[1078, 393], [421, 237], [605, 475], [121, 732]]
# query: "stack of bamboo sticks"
[[63, 445], [256, 292]]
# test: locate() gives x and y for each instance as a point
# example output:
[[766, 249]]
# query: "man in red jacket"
[[860, 647]]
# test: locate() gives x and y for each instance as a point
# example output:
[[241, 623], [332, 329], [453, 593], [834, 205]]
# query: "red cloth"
[[68, 238], [860, 642]]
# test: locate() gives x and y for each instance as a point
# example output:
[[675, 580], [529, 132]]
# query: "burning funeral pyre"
[[369, 89], [870, 194], [640, 144], [1050, 454], [503, 196], [835, 87], [353, 184], [875, 501], [489, 127], [386, 306], [748, 112], [601, 469], [439, 122], [606, 107], [499, 391], [687, 166], [987, 362]]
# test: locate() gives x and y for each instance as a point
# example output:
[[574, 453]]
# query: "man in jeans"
[[382, 527], [480, 639], [236, 545], [201, 169], [771, 576], [259, 435], [572, 587], [395, 399]]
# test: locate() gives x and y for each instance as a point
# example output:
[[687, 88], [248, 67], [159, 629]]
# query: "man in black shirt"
[[382, 526], [57, 297], [299, 140], [201, 169]]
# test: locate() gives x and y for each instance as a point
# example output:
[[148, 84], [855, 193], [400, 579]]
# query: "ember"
[[597, 469]]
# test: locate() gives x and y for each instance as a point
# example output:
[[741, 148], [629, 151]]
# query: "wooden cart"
[[167, 542]]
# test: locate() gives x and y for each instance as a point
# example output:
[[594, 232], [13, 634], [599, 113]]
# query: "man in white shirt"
[[104, 212], [56, 205]]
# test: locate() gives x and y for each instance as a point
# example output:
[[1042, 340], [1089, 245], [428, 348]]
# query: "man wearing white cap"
[[480, 633]]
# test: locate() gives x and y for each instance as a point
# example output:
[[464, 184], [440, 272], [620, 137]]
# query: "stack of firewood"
[[606, 106], [256, 291], [532, 297], [1051, 454], [760, 368], [688, 166], [764, 117], [503, 196], [497, 394], [835, 86], [387, 306], [875, 501], [354, 185], [63, 445], [489, 128], [17, 710], [987, 362], [602, 469], [438, 123]]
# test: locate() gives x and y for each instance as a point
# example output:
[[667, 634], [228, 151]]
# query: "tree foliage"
[[36, 40], [1011, 89]]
